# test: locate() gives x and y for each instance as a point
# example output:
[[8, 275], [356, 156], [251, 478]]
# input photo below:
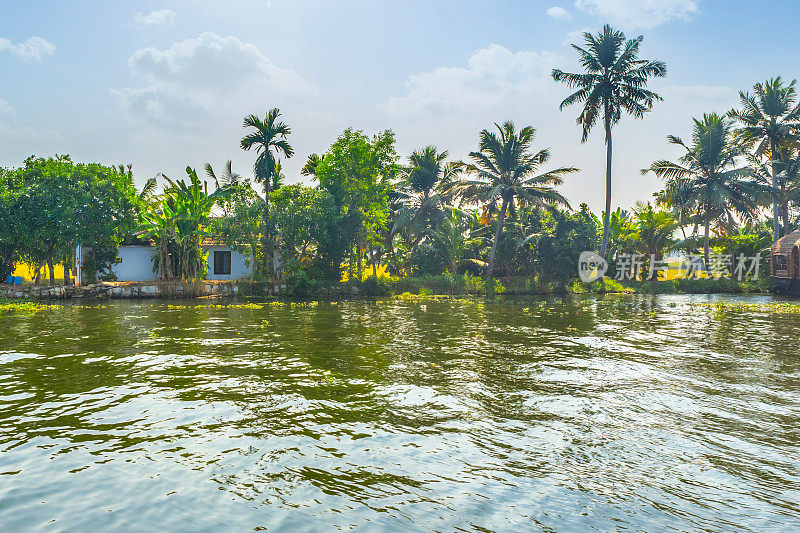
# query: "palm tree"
[[614, 80], [227, 178], [310, 168], [421, 208], [505, 169], [269, 139], [452, 239], [617, 223], [707, 178], [768, 118], [158, 223], [650, 232], [787, 178]]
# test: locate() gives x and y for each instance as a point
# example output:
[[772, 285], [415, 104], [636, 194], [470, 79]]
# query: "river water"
[[651, 413]]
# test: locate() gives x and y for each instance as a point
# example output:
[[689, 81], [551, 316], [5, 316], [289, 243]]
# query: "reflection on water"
[[556, 415]]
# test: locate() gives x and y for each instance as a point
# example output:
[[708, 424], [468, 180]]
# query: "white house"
[[136, 263]]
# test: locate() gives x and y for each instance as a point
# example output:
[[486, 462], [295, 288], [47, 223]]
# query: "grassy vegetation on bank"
[[465, 285]]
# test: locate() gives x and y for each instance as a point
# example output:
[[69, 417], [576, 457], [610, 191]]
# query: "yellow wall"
[[28, 272]]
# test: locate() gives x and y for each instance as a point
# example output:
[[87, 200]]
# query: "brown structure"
[[784, 262]]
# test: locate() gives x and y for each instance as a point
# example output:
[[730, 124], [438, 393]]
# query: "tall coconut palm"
[[269, 140], [506, 170], [708, 179], [614, 81], [768, 118]]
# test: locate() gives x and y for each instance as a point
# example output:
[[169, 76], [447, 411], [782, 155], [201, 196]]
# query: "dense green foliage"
[[177, 224], [369, 211], [49, 206]]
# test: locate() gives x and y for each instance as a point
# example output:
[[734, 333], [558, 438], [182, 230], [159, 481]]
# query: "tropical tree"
[[452, 239], [302, 216], [787, 178], [614, 80], [57, 204], [227, 178], [617, 224], [708, 177], [651, 231], [269, 140], [768, 118], [564, 236], [179, 223], [422, 207], [158, 224], [505, 170], [241, 223], [357, 172]]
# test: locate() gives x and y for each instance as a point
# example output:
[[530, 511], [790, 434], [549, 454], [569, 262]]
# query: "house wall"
[[239, 268], [136, 265]]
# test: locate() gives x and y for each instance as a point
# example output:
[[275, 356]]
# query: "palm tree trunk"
[[705, 243], [607, 218], [785, 213], [500, 219], [410, 257], [776, 228], [268, 252]]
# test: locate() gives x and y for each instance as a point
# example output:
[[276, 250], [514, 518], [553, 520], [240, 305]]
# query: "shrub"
[[377, 286]]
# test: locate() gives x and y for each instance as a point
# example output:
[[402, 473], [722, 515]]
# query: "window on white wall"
[[222, 263]]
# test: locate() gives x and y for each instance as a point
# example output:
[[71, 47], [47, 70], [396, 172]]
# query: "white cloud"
[[576, 36], [205, 76], [165, 16], [33, 48], [5, 108], [29, 140], [558, 12], [195, 93], [684, 102], [494, 77], [640, 13]]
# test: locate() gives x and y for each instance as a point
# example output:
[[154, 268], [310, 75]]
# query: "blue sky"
[[165, 84]]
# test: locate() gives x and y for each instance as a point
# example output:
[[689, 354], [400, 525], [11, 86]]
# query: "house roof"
[[787, 243], [206, 242]]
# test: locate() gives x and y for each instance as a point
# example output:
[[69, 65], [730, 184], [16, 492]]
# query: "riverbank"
[[448, 285], [136, 290]]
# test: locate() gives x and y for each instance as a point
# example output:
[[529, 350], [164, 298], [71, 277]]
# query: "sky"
[[166, 84]]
